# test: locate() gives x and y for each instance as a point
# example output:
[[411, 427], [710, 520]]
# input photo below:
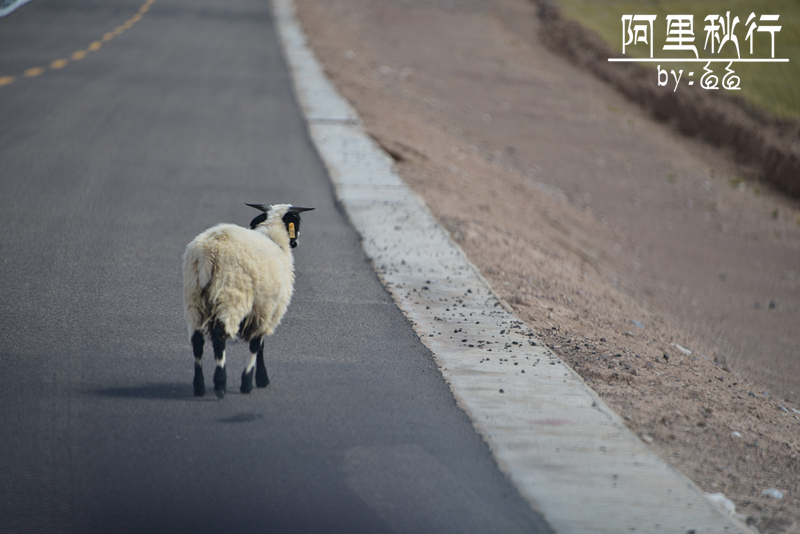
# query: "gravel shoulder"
[[650, 262]]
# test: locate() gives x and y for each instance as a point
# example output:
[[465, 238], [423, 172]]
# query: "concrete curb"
[[568, 453], [13, 6]]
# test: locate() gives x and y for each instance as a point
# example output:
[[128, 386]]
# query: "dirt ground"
[[657, 267]]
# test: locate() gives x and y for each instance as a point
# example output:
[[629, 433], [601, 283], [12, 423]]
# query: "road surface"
[[126, 128]]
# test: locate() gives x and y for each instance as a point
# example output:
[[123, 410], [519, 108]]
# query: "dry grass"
[[774, 87]]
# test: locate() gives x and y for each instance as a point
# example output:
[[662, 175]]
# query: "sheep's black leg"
[[249, 371], [262, 380], [220, 377], [197, 348]]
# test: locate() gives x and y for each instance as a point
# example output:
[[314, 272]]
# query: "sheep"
[[238, 283]]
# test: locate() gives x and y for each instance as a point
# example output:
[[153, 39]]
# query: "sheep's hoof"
[[220, 382], [247, 381], [199, 382], [262, 380]]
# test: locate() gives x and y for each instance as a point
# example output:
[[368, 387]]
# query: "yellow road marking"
[[80, 54], [32, 73]]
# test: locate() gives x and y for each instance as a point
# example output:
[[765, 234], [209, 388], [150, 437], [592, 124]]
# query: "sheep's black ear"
[[261, 218], [261, 207], [294, 209], [258, 220]]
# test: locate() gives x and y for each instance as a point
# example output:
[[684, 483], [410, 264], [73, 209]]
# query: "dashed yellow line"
[[81, 54], [32, 73]]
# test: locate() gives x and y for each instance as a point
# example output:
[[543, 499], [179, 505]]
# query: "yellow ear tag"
[[291, 231]]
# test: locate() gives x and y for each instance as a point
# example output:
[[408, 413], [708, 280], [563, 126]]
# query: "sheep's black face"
[[292, 222], [291, 219]]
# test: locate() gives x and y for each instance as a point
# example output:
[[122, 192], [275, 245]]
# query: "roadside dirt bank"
[[771, 145], [639, 256]]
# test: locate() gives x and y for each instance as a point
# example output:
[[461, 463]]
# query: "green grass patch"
[[774, 87]]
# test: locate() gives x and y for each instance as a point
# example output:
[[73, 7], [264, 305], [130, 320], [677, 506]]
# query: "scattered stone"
[[634, 322], [735, 434], [773, 304], [773, 493], [647, 438], [685, 351]]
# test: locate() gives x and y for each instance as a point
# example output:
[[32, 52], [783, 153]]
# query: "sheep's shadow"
[[153, 391], [241, 418]]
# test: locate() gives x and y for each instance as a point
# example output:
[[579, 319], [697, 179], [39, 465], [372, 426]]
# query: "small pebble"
[[774, 493]]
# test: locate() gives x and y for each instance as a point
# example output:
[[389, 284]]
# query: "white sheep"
[[238, 283]]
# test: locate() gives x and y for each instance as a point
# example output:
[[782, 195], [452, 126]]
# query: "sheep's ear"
[[258, 220], [261, 218], [293, 209], [261, 207]]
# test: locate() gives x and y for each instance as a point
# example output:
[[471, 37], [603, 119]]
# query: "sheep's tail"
[[198, 269]]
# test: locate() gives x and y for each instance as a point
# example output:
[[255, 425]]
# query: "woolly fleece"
[[243, 278]]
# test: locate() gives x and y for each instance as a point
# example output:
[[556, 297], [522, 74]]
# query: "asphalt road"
[[109, 164]]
